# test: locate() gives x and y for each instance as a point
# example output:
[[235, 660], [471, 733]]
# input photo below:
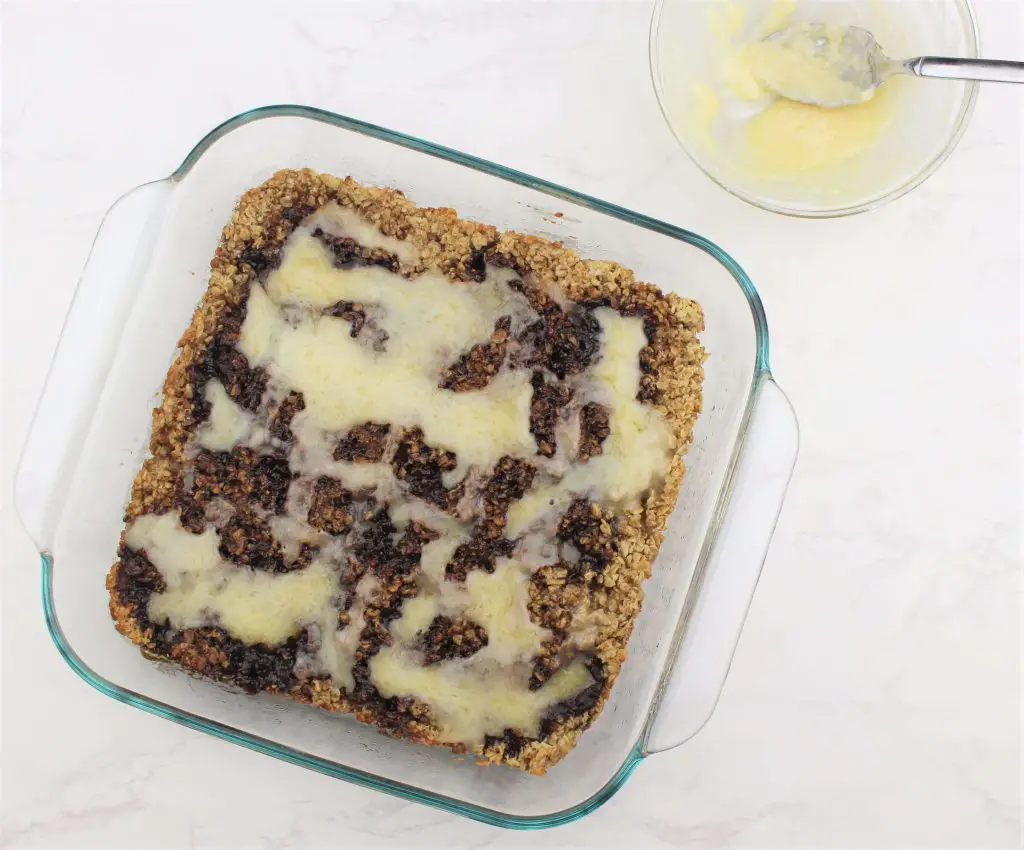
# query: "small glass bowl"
[[915, 146]]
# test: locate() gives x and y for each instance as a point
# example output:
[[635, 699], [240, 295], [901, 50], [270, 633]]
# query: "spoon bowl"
[[833, 65], [822, 64]]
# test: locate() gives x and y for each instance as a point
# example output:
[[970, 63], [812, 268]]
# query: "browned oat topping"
[[447, 638], [331, 507], [421, 467], [478, 553], [594, 429], [281, 416], [474, 370], [545, 407], [364, 443], [376, 544]]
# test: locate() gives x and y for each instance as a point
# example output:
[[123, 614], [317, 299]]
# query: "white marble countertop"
[[874, 700]]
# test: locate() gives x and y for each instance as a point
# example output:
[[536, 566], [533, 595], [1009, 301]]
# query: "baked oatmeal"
[[411, 468]]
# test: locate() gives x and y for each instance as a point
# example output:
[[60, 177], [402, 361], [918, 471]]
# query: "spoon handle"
[[988, 70]]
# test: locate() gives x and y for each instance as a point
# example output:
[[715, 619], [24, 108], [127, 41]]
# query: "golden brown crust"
[[262, 221]]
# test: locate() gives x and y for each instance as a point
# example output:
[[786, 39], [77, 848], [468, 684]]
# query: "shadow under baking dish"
[[147, 270]]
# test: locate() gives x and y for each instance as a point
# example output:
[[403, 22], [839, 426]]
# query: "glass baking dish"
[[146, 272]]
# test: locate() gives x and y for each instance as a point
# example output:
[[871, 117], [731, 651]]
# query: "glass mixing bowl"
[[689, 44]]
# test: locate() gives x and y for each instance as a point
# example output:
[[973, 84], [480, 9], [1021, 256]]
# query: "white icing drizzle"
[[429, 321], [228, 424]]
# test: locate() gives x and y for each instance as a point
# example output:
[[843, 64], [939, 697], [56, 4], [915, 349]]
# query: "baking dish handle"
[[85, 351], [762, 473]]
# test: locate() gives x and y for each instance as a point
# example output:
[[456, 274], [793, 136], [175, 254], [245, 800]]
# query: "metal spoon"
[[845, 65]]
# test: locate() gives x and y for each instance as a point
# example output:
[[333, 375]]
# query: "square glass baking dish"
[[147, 270]]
